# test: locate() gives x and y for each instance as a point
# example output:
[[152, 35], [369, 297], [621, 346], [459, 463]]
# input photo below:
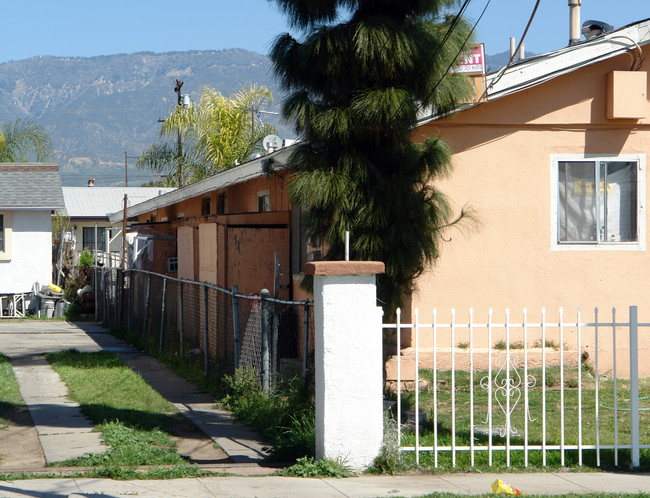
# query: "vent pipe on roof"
[[574, 21], [91, 182], [512, 47], [522, 52]]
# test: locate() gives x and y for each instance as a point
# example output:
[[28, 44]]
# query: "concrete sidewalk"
[[63, 431], [557, 483]]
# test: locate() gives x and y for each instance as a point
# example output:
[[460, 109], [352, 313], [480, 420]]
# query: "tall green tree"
[[23, 140], [356, 78], [217, 133]]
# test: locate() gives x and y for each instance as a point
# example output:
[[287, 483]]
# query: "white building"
[[29, 193]]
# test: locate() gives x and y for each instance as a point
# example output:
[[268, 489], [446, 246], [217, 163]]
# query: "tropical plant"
[[60, 223], [216, 134], [357, 79], [23, 140]]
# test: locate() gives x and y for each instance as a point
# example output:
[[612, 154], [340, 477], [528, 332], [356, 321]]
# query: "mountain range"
[[97, 108]]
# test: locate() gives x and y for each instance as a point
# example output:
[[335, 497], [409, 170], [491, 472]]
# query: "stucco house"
[[553, 161], [29, 193], [226, 229], [551, 157], [88, 209]]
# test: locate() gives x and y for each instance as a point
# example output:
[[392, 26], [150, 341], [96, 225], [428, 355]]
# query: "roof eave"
[[232, 176]]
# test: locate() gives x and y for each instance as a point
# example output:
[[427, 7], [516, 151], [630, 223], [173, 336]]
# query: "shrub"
[[285, 416], [308, 467], [551, 380], [73, 312], [86, 258]]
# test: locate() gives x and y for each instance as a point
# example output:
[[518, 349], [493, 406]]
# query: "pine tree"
[[356, 79]]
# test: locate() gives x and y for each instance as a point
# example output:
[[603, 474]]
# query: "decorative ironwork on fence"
[[538, 391], [220, 328]]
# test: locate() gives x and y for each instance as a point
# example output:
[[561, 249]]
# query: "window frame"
[[264, 196], [639, 245], [95, 245], [5, 250]]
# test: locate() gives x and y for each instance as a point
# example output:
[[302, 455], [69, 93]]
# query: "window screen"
[[597, 201]]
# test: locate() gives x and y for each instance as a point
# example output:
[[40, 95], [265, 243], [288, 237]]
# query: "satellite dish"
[[272, 143]]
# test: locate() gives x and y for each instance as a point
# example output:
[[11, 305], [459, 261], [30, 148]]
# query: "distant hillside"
[[497, 61], [96, 108]]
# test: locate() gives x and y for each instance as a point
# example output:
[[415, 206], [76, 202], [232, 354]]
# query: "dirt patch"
[[193, 444], [20, 448]]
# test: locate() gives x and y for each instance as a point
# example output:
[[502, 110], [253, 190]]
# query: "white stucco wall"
[[31, 252], [348, 362]]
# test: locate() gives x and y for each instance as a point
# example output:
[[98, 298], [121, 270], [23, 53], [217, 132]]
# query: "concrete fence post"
[[348, 361]]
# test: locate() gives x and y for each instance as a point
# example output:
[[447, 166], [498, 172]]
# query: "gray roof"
[[30, 186], [254, 168], [99, 202]]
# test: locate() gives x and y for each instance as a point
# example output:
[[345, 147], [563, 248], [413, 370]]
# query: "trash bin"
[[61, 307], [47, 307]]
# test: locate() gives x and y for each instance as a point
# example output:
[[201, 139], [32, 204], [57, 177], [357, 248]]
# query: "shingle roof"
[[99, 202], [30, 186]]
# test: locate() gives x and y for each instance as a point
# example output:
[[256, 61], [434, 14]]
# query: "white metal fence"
[[465, 396]]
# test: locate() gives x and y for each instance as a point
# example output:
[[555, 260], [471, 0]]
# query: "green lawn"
[[132, 417], [553, 423]]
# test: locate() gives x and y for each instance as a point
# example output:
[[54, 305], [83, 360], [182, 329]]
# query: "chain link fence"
[[219, 329]]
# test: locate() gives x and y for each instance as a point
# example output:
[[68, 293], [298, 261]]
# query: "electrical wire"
[[462, 47], [441, 44], [637, 62], [512, 57], [447, 35]]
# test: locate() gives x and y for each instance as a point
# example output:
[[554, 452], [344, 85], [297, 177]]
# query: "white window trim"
[[640, 215], [6, 254]]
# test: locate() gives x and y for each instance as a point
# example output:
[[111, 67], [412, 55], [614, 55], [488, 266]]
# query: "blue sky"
[[86, 28]]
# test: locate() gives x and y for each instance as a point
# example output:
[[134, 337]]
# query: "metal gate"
[[520, 392]]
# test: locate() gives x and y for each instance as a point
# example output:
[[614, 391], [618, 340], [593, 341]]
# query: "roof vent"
[[591, 29]]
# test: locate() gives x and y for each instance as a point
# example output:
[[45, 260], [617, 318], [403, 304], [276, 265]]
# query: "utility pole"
[[126, 168], [124, 232], [177, 89]]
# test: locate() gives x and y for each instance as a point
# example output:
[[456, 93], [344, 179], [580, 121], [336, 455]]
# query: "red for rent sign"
[[474, 62]]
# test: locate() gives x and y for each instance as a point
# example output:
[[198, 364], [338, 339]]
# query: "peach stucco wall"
[[502, 171]]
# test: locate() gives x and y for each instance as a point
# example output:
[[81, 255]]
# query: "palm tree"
[[23, 140], [356, 80], [218, 133]]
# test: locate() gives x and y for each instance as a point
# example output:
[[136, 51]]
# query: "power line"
[[512, 56], [462, 47], [447, 35]]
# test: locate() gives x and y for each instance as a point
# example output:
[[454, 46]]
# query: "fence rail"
[[472, 397], [220, 329]]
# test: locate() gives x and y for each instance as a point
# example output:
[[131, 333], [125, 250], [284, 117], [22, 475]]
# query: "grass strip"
[[134, 419], [10, 398]]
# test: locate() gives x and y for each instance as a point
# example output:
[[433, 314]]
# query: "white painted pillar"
[[348, 361]]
